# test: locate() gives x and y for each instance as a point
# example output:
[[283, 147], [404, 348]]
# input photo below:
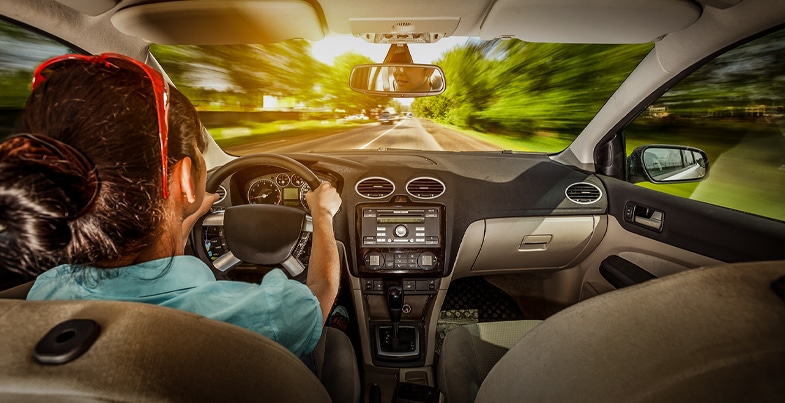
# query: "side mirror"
[[398, 80], [667, 164]]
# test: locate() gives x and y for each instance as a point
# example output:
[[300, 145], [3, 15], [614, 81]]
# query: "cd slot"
[[400, 219]]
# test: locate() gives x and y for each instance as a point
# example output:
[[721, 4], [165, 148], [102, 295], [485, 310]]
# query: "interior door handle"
[[644, 216]]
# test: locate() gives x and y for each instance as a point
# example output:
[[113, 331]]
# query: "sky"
[[327, 49]]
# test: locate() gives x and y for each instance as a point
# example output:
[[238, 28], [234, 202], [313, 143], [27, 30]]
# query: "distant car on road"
[[385, 118]]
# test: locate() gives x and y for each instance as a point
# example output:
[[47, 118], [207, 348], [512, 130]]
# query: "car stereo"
[[401, 238]]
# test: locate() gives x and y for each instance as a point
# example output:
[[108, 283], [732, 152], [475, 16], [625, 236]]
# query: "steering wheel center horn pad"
[[248, 226]]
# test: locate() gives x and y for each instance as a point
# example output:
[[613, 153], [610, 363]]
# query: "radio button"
[[401, 231], [389, 261]]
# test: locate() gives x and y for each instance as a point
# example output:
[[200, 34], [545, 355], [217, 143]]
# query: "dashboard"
[[407, 213], [411, 221]]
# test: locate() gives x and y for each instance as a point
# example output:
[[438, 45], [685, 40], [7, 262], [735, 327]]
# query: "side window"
[[733, 108], [21, 50]]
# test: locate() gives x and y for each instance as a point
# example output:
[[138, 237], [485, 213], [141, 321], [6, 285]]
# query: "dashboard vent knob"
[[583, 193], [374, 187], [425, 188]]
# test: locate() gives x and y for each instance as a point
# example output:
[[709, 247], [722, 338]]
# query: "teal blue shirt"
[[283, 310]]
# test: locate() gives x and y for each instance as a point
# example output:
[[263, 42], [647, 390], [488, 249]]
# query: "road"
[[406, 133]]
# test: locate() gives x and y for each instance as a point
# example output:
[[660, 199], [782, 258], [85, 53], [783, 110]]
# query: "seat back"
[[146, 353], [714, 334]]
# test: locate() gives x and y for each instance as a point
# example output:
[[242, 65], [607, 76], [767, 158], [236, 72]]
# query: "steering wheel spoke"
[[226, 262], [214, 219], [293, 266]]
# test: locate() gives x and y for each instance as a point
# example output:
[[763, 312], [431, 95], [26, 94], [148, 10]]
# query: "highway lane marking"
[[380, 136]]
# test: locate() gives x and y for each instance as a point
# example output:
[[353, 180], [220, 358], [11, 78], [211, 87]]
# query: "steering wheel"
[[263, 234]]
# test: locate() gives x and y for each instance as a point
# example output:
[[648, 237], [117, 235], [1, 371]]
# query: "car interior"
[[471, 275]]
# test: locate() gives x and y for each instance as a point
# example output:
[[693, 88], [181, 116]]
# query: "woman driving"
[[100, 191]]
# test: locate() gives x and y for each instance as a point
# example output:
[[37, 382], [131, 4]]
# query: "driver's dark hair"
[[107, 115]]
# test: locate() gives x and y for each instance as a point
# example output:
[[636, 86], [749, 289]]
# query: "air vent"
[[425, 188], [375, 187], [583, 193], [221, 192]]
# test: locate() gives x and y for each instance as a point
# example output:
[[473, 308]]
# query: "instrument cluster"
[[281, 188]]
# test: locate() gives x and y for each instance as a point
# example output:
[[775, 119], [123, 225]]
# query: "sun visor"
[[220, 22], [600, 21]]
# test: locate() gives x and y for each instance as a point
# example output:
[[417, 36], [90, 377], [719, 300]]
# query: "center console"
[[400, 263]]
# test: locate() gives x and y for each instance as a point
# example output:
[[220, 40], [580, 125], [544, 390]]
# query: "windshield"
[[295, 97]]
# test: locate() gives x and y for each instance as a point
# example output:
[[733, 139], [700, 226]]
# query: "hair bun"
[[69, 168], [44, 185]]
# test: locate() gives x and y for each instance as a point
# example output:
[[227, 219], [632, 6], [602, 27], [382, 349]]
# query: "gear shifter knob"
[[394, 306]]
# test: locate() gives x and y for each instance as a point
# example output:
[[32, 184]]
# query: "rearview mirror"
[[667, 164], [398, 80]]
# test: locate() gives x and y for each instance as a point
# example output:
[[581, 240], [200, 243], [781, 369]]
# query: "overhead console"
[[405, 239]]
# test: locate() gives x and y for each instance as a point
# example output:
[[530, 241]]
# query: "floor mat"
[[472, 300]]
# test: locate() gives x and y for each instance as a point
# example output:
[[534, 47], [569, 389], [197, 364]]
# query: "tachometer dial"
[[264, 191]]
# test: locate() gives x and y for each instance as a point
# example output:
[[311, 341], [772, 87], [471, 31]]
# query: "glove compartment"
[[504, 245]]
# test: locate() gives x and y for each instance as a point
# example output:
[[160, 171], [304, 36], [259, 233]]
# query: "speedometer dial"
[[264, 191]]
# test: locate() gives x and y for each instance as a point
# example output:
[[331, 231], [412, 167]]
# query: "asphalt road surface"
[[409, 133]]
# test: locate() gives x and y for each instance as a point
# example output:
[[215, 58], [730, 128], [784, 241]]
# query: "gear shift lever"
[[394, 306]]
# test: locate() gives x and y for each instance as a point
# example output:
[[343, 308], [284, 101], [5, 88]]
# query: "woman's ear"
[[184, 178]]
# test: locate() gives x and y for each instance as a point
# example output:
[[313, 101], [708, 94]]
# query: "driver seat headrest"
[[146, 353]]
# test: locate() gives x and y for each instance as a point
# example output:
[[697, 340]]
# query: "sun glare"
[[334, 45]]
